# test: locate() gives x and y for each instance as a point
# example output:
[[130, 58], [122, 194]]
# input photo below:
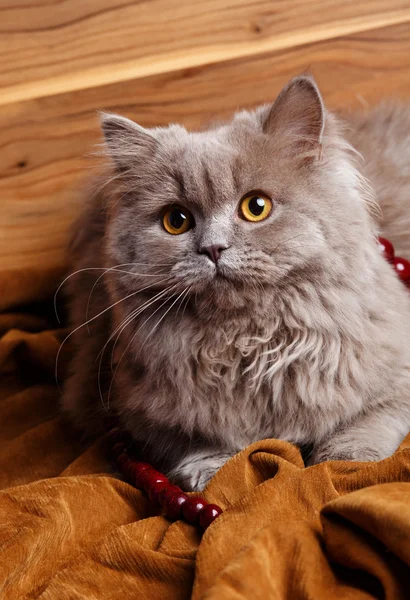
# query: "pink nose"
[[213, 252]]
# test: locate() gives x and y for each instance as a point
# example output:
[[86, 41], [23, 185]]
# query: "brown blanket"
[[69, 529]]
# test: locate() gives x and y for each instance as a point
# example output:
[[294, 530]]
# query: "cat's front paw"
[[195, 470], [343, 450]]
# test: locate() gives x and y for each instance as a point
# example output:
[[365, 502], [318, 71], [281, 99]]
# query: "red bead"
[[156, 489], [143, 469], [167, 494], [386, 248], [172, 502], [208, 514], [402, 267], [137, 476], [154, 477], [151, 478], [143, 466], [192, 508], [157, 477], [145, 479]]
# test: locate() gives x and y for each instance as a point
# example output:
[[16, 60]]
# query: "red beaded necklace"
[[174, 503], [401, 265]]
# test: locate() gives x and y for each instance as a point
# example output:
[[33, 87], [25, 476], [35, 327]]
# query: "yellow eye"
[[255, 207], [177, 220]]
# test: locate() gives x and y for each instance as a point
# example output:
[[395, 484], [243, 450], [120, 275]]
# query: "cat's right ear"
[[126, 142]]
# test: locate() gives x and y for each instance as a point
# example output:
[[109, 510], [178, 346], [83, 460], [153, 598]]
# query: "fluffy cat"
[[239, 292]]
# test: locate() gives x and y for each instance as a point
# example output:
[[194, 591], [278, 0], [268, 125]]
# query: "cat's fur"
[[301, 332]]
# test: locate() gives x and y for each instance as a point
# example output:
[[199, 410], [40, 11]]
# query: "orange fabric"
[[70, 530]]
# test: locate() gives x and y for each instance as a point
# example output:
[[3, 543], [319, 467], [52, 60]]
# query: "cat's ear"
[[298, 113], [127, 143]]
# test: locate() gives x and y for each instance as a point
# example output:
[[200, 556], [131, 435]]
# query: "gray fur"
[[301, 332]]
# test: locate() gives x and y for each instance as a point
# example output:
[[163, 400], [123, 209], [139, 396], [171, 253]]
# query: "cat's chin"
[[218, 282], [225, 289], [222, 275], [225, 295]]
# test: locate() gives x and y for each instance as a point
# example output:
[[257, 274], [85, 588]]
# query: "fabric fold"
[[71, 529]]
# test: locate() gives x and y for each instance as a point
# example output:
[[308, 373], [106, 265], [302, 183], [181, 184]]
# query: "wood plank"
[[55, 46], [43, 141]]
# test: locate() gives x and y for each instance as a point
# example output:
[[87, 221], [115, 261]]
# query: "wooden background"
[[158, 61]]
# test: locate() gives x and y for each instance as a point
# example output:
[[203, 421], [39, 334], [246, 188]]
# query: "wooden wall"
[[158, 61]]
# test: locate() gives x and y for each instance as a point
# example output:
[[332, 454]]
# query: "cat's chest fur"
[[240, 386]]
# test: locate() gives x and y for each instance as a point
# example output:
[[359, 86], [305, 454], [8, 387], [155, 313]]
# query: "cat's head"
[[240, 211]]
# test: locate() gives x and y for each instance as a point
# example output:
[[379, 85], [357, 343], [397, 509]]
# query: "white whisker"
[[114, 269], [137, 311], [132, 339], [82, 325], [186, 299], [102, 269], [163, 316]]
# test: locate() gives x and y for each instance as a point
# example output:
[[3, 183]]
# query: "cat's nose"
[[214, 252]]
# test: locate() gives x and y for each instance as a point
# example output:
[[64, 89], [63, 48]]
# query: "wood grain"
[[43, 142], [56, 46]]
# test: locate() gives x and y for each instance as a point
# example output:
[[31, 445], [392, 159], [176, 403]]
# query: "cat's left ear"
[[298, 114], [127, 143]]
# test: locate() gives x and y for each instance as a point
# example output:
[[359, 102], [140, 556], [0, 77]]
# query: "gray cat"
[[234, 290]]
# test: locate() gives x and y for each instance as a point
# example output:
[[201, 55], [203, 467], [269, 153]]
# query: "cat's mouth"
[[225, 278], [223, 273], [214, 278]]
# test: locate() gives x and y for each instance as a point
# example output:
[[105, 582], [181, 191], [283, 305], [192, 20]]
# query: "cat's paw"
[[343, 450], [195, 470]]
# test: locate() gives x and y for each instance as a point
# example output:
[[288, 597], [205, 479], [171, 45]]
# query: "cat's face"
[[233, 213]]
